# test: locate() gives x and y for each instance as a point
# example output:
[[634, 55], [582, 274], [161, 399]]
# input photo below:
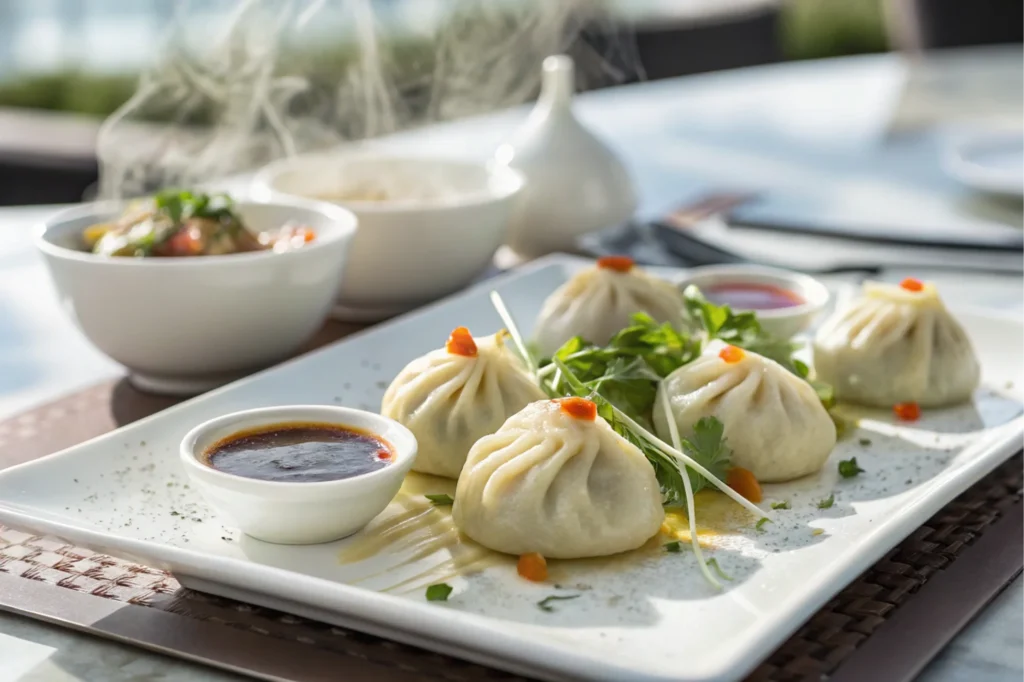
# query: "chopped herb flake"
[[545, 603], [848, 468], [674, 547], [760, 524], [440, 500], [713, 563], [439, 592], [827, 502], [865, 441], [781, 505]]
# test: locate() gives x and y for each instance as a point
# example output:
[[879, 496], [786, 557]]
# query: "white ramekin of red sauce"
[[786, 302]]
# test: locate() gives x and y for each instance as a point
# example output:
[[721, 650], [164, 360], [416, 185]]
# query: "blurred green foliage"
[[810, 29], [84, 93], [814, 29]]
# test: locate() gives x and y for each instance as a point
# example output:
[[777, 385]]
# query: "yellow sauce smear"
[[413, 530], [417, 533], [717, 516]]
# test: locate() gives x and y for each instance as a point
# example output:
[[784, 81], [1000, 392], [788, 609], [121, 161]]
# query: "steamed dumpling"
[[556, 479], [774, 422], [599, 302], [452, 396], [896, 344]]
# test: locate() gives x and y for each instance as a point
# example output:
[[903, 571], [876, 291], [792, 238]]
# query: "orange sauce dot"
[[908, 412], [580, 408], [533, 567], [461, 343], [742, 481], [384, 455], [732, 354], [912, 284], [616, 263]]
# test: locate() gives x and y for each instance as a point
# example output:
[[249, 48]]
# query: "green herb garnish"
[[439, 592], [181, 205], [781, 505], [827, 502], [865, 441], [673, 547], [848, 468], [440, 500], [826, 393], [713, 563], [545, 603], [628, 370], [760, 524]]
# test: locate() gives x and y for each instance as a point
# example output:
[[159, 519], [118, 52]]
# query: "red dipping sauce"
[[750, 296]]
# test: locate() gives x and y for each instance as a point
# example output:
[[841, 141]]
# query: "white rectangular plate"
[[644, 616]]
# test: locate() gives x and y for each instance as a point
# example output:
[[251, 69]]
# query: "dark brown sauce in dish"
[[749, 296], [299, 452]]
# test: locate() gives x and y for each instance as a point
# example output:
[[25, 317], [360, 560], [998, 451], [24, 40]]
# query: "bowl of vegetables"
[[190, 290]]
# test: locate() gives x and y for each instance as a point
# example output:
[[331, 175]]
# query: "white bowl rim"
[[404, 453], [345, 219], [959, 160], [264, 184], [814, 292]]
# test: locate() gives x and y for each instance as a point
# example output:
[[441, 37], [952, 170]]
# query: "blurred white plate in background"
[[989, 162]]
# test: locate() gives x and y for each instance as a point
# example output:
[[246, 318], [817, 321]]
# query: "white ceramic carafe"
[[574, 183]]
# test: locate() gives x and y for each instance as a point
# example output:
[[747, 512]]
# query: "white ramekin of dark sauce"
[[304, 511]]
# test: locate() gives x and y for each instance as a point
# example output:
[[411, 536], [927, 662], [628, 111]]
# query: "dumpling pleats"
[[773, 421], [895, 346], [550, 483], [449, 401]]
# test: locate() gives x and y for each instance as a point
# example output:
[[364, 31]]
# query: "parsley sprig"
[[629, 368], [180, 205]]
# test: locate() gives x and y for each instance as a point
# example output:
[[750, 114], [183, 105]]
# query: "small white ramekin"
[[298, 513], [782, 322]]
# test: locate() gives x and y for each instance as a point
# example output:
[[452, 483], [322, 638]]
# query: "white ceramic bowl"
[[183, 325], [407, 251], [989, 162], [782, 322], [299, 513]]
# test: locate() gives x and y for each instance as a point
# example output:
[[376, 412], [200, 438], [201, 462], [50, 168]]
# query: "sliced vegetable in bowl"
[[179, 223]]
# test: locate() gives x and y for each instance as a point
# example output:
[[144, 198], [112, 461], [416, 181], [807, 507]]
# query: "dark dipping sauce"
[[748, 296], [299, 452]]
